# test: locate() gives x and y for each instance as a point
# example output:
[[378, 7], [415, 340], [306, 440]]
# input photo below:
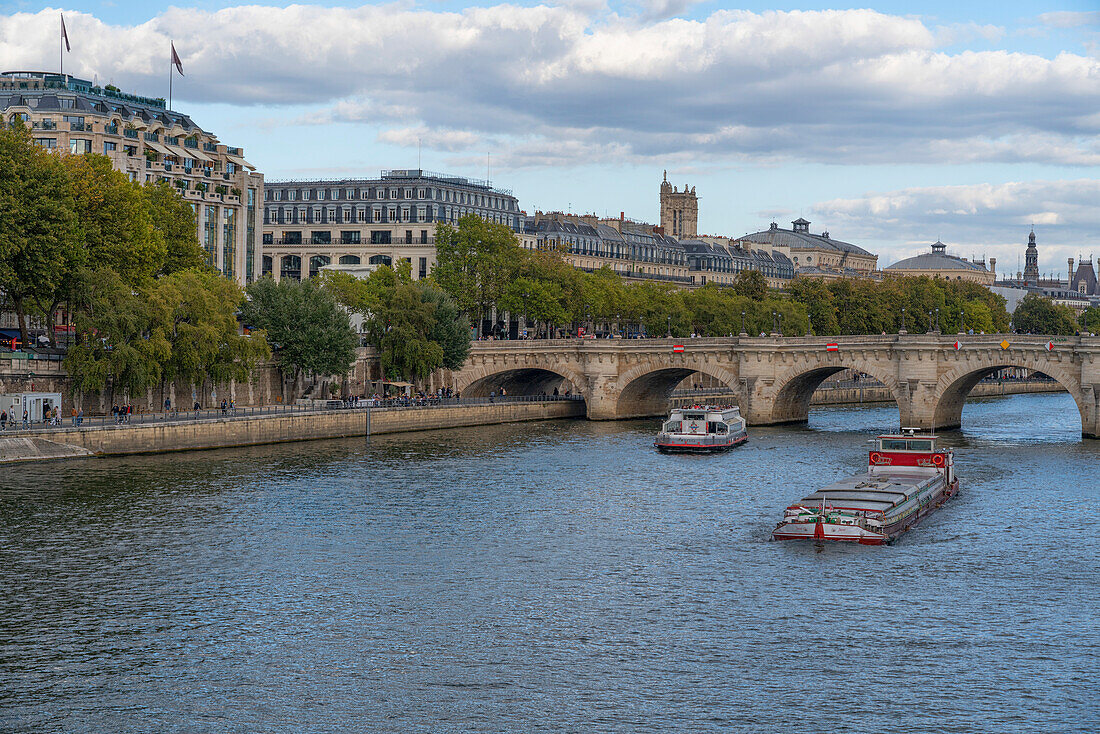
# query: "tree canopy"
[[1038, 315], [306, 327]]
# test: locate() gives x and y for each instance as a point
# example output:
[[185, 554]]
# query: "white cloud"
[[1071, 19], [990, 219], [573, 82]]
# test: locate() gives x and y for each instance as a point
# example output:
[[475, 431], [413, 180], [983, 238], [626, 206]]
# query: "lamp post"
[[668, 334], [743, 332], [780, 323], [902, 329], [962, 322], [937, 321], [775, 327]]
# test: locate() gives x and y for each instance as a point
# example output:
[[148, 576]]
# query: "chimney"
[[993, 265], [1070, 278], [622, 216]]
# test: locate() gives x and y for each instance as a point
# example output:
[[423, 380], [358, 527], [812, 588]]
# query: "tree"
[[751, 284], [538, 300], [39, 247], [1091, 319], [196, 312], [305, 326], [818, 301], [401, 329], [450, 329], [1038, 315], [116, 221], [120, 344], [474, 262], [173, 222]]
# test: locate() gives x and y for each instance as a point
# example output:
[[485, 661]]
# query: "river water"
[[552, 577]]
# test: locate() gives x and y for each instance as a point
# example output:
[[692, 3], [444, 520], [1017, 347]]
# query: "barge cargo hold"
[[907, 478]]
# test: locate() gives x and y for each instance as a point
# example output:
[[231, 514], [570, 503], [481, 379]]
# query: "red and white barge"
[[907, 478]]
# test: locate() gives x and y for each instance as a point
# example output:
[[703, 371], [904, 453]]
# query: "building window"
[[320, 238], [350, 237], [78, 146], [46, 142], [320, 194], [362, 215], [347, 214], [110, 147], [377, 213], [423, 268]]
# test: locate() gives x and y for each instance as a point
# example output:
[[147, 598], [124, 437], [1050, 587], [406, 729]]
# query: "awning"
[[158, 148], [198, 155], [182, 153], [241, 162]]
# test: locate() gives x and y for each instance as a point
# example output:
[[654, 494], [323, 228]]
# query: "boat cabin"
[[700, 421], [909, 451]]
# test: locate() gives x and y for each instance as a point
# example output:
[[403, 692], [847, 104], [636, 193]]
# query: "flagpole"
[[61, 49], [170, 76]]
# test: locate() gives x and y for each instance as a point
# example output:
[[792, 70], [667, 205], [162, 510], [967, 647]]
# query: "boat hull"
[[686, 447]]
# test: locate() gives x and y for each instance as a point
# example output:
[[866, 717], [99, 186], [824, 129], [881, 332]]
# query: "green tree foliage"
[[541, 301], [307, 329], [173, 222], [121, 344], [751, 284], [474, 262], [817, 299], [39, 249], [116, 222], [1091, 319], [196, 311], [1038, 315]]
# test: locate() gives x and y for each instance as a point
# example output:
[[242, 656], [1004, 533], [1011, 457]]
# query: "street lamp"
[[743, 332], [780, 323], [902, 331], [937, 321], [668, 333], [962, 322]]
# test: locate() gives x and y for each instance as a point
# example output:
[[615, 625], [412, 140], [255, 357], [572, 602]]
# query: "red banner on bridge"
[[678, 348], [832, 347]]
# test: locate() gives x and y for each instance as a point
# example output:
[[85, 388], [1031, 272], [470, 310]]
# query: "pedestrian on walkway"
[[80, 417]]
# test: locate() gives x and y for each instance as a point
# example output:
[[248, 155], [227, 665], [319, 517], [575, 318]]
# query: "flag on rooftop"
[[176, 59], [64, 33]]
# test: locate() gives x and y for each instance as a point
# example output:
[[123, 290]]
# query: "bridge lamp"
[[743, 323], [929, 322], [937, 321], [780, 323], [669, 332], [902, 322], [962, 322]]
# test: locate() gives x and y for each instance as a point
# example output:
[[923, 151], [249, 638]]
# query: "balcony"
[[130, 133], [348, 242], [210, 147], [46, 125], [80, 127], [152, 137], [110, 129]]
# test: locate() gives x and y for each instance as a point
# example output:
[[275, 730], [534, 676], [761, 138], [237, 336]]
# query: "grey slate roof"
[[778, 237], [936, 261]]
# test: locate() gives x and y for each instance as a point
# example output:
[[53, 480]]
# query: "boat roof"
[[870, 491]]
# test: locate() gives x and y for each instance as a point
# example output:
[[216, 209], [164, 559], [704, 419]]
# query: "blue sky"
[[888, 128]]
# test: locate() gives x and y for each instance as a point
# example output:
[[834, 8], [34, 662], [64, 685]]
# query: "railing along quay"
[[211, 415]]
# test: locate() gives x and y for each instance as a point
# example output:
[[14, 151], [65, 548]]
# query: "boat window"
[[672, 426], [717, 428], [693, 416], [925, 445], [893, 444]]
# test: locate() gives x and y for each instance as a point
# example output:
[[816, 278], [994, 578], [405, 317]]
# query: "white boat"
[[907, 478], [701, 430]]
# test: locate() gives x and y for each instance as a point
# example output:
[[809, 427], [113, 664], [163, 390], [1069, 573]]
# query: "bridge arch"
[[955, 385], [793, 388], [520, 380], [644, 390]]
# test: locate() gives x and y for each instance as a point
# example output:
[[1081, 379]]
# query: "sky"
[[966, 123]]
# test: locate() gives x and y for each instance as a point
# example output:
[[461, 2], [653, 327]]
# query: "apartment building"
[[310, 224], [148, 142]]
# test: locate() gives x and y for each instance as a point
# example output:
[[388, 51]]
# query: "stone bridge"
[[773, 377]]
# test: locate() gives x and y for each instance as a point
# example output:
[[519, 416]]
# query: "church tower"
[[1031, 261], [679, 210]]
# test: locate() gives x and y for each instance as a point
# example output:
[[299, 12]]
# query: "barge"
[[701, 430], [908, 477]]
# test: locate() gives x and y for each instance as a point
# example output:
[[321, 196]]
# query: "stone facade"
[[679, 210], [310, 224], [149, 142]]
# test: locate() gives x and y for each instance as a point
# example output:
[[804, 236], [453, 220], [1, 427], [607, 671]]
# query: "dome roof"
[[938, 259]]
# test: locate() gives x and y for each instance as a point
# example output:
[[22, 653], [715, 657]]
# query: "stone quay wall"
[[183, 435]]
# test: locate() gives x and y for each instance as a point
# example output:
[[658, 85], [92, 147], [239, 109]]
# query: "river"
[[560, 576]]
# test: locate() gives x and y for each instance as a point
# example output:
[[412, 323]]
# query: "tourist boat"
[[701, 430], [907, 478]]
